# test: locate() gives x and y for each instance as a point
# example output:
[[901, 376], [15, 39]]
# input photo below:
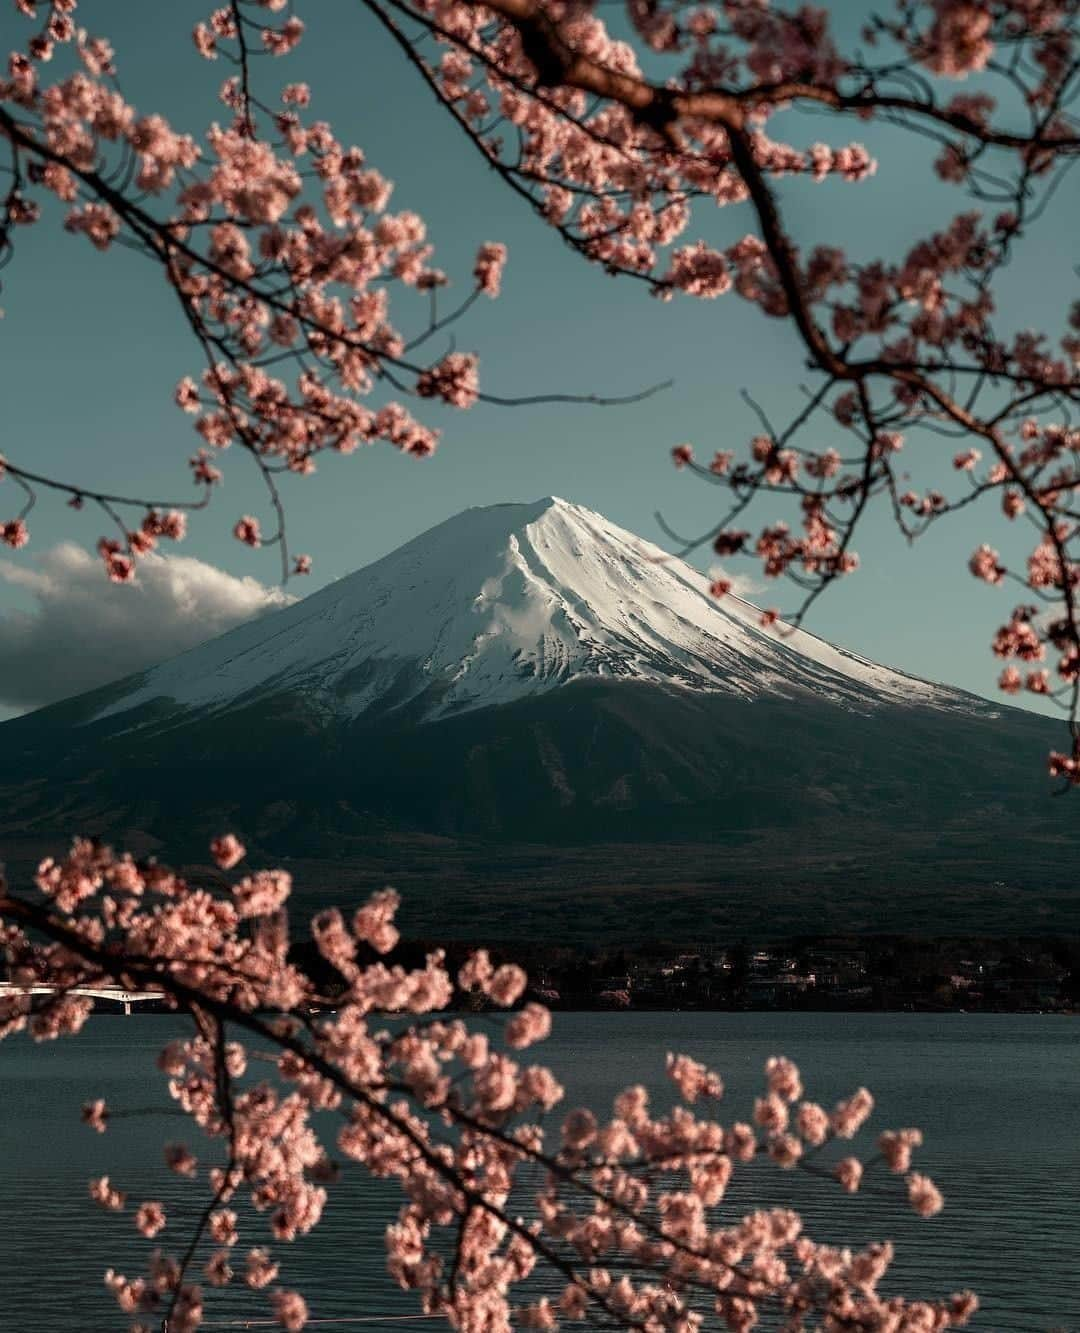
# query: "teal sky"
[[91, 346]]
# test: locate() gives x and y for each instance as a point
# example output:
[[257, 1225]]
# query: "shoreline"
[[464, 1011]]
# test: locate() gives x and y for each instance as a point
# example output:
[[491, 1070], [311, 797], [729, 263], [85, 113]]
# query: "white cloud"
[[84, 631]]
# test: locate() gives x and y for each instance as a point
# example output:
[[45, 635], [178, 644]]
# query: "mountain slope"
[[501, 603], [528, 713]]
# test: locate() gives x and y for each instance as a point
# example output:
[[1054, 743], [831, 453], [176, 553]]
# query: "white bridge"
[[104, 992]]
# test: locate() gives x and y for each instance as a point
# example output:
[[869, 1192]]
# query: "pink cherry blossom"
[[924, 1195], [850, 1115], [260, 1270], [228, 851], [150, 1219], [507, 984], [896, 1147], [986, 564], [222, 1227], [783, 1078], [374, 922], [454, 379], [180, 1159], [96, 1115], [247, 531], [849, 1172], [217, 1270], [103, 1193], [119, 564], [785, 1150], [290, 1310], [529, 1025], [610, 1189], [490, 261], [771, 1113], [14, 533], [579, 1129], [812, 1122], [692, 1079], [262, 893]]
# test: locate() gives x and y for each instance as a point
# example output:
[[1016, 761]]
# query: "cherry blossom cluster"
[[625, 1211], [624, 162], [616, 185], [277, 239]]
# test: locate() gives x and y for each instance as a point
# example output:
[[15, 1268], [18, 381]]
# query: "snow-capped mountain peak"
[[507, 601]]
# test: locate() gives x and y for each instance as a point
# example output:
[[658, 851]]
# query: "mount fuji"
[[508, 602], [535, 711]]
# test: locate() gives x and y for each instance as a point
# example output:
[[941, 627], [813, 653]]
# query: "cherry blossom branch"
[[249, 256], [691, 135], [649, 1183]]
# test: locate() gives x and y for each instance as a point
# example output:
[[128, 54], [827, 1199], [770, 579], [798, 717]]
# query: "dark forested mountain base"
[[610, 811]]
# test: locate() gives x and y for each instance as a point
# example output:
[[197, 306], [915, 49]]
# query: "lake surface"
[[998, 1097]]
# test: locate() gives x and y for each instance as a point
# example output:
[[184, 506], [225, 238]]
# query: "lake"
[[998, 1097]]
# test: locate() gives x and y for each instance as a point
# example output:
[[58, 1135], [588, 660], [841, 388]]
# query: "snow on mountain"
[[507, 601]]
